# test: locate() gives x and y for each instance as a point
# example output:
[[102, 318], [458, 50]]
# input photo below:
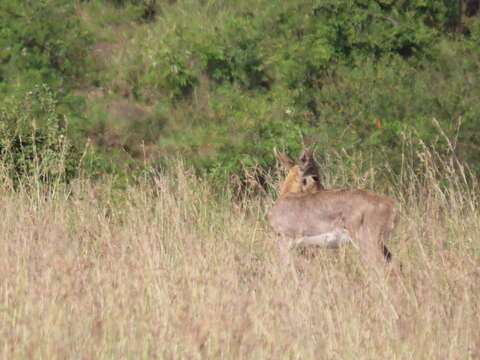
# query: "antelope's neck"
[[292, 181]]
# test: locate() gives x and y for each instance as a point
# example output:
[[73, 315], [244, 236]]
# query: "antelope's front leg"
[[285, 246]]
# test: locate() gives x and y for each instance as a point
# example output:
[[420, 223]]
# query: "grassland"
[[169, 269]]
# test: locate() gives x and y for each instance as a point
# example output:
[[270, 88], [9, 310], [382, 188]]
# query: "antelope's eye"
[[304, 181], [315, 178]]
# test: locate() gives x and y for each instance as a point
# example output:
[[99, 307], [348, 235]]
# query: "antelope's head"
[[302, 176]]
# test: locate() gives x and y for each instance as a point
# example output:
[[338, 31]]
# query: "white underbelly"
[[332, 239]]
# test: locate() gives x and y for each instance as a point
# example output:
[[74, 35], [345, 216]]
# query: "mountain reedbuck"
[[306, 214]]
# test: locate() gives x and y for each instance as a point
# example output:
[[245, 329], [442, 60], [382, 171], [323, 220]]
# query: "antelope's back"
[[304, 214]]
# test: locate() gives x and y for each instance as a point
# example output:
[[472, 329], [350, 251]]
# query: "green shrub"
[[233, 53], [172, 72], [33, 141], [140, 9], [42, 42]]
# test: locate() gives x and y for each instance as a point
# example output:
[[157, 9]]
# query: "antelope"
[[306, 214]]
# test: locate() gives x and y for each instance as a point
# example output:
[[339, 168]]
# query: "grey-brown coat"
[[306, 214]]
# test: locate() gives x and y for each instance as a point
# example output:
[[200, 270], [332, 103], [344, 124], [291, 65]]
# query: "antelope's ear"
[[307, 157], [286, 162]]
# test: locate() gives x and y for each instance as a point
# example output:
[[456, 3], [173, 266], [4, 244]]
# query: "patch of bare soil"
[[120, 112], [105, 50], [126, 111], [93, 93], [106, 139]]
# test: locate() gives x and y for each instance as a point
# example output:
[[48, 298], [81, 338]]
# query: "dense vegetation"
[[220, 83]]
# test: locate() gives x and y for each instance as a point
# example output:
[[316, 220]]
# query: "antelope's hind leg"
[[294, 259]]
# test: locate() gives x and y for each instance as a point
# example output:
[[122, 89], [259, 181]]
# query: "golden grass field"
[[169, 269]]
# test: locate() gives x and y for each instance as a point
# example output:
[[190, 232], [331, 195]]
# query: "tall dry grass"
[[171, 270]]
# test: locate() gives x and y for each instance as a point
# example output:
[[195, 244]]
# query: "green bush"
[[33, 141], [141, 9], [233, 54], [42, 42]]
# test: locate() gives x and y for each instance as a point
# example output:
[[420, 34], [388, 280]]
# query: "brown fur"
[[305, 209], [304, 177], [310, 175]]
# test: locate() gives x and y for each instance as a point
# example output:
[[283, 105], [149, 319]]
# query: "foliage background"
[[220, 83]]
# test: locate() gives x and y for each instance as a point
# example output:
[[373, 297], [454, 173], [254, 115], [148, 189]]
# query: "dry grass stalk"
[[169, 271]]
